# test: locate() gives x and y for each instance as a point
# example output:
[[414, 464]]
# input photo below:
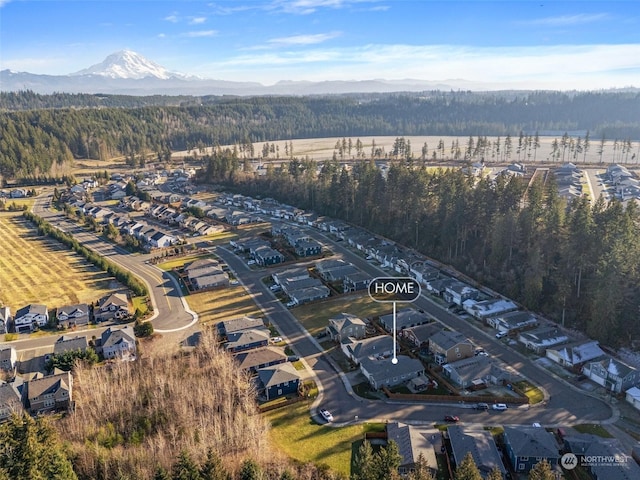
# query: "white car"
[[501, 334], [326, 414], [499, 406]]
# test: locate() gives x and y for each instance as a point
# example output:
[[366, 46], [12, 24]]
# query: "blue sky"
[[508, 44]]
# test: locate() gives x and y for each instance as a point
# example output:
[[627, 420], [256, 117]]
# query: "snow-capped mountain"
[[130, 65]]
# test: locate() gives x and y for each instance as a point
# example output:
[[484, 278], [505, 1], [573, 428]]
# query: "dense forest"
[[577, 263], [34, 139]]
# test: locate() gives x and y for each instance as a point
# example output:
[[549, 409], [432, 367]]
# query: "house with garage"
[[307, 248], [290, 274], [11, 399], [488, 308], [51, 393], [575, 354], [227, 327], [458, 292], [528, 446], [423, 272], [119, 344], [309, 294], [480, 444], [381, 372], [114, 306], [70, 344], [449, 346], [614, 375], [324, 267], [8, 358], [513, 321], [278, 381], [246, 340], [419, 335], [5, 318], [405, 318], [475, 372], [254, 360], [73, 315], [266, 256], [31, 317], [413, 442], [356, 281], [214, 280], [344, 326], [374, 347], [539, 339]]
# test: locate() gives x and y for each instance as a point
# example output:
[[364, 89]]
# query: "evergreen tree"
[[161, 474], [387, 461], [541, 471], [467, 470], [495, 474], [185, 468], [250, 470], [364, 468], [213, 469], [421, 470]]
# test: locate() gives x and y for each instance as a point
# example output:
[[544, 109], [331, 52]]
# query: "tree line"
[[577, 263], [35, 140]]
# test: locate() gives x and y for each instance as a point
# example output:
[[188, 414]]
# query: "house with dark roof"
[[118, 343], [112, 306], [309, 294], [480, 444], [353, 282], [5, 318], [449, 346], [513, 321], [246, 340], [475, 372], [323, 267], [227, 327], [611, 373], [290, 275], [575, 354], [278, 380], [380, 371], [10, 399], [423, 272], [30, 317], [265, 256], [254, 360], [69, 344], [405, 318], [487, 308], [458, 292], [528, 446], [603, 458], [344, 326], [307, 248], [420, 334], [8, 358], [374, 347], [50, 393], [412, 442], [540, 339], [73, 315]]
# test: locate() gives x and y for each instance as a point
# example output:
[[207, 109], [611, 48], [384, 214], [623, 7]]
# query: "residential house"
[[592, 449], [161, 240], [309, 294], [413, 442], [420, 335], [356, 281], [73, 315], [266, 256], [382, 372], [227, 327], [278, 380], [575, 354], [423, 272], [374, 347], [246, 340], [289, 286], [70, 344], [475, 372], [29, 317], [438, 286], [540, 339], [323, 267], [10, 399], [254, 360], [611, 373], [449, 346], [346, 325], [336, 271], [114, 306], [513, 321], [217, 279], [307, 248], [488, 308], [528, 446], [206, 273], [8, 358], [290, 274], [5, 318], [458, 292], [50, 393], [632, 396], [405, 318], [480, 444], [118, 343]]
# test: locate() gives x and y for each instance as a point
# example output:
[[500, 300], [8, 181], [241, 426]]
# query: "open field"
[[314, 317], [37, 269], [301, 438], [217, 305]]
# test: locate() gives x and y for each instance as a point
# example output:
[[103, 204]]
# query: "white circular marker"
[[394, 360]]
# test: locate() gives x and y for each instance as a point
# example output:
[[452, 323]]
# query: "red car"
[[451, 418]]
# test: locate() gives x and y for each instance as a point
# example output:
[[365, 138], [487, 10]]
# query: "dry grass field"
[[36, 269], [216, 305]]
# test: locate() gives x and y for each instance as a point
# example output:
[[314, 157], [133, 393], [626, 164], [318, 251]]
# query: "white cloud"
[[173, 18], [162, 35], [3, 3], [305, 7], [310, 39], [200, 33], [567, 20], [197, 20], [33, 64]]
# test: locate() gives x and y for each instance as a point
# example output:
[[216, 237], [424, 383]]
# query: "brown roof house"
[[51, 393]]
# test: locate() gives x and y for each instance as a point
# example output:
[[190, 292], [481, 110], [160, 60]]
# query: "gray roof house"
[[449, 346], [611, 373], [277, 380], [513, 321], [412, 442], [488, 308], [540, 339], [10, 399], [480, 444], [118, 343], [586, 446], [69, 344], [575, 354], [475, 372], [344, 326], [356, 350], [527, 446], [246, 340], [421, 334], [8, 358], [27, 318], [405, 318], [73, 315], [241, 323], [382, 372], [254, 360], [457, 292]]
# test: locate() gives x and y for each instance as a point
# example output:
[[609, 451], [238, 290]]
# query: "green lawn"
[[314, 317], [593, 429], [533, 393], [301, 438], [179, 262]]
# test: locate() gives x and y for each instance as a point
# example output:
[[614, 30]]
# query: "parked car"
[[326, 414], [499, 406], [501, 334], [451, 418], [251, 262], [482, 406]]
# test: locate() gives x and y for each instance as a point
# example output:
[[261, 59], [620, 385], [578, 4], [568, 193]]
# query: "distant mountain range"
[[128, 73]]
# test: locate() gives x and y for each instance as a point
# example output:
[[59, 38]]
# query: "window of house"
[[524, 459], [521, 466]]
